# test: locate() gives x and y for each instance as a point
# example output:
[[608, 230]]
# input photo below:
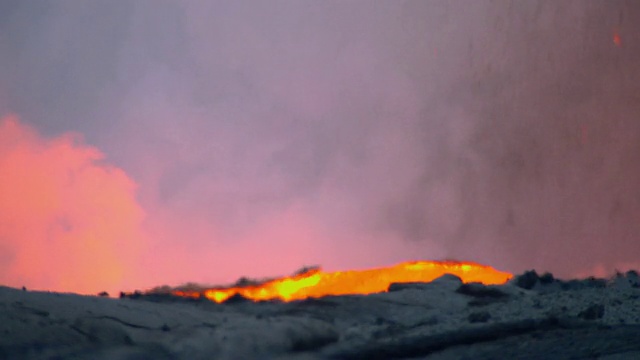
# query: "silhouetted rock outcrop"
[[527, 280]]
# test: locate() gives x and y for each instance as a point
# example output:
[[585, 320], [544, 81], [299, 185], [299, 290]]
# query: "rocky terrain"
[[531, 317]]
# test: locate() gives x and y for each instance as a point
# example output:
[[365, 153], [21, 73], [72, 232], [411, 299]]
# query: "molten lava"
[[316, 283]]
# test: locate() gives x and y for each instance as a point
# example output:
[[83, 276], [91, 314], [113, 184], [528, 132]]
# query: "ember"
[[316, 283], [617, 40]]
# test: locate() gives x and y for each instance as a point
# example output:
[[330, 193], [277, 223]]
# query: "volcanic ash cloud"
[[68, 220]]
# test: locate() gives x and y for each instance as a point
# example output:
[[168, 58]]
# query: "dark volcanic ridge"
[[532, 316]]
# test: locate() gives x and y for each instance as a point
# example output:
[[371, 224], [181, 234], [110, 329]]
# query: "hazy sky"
[[202, 141]]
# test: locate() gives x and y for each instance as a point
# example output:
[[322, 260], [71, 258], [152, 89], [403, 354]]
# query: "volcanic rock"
[[416, 321], [236, 299], [527, 280], [477, 317], [595, 311], [481, 291], [587, 283], [627, 280], [546, 279], [449, 281]]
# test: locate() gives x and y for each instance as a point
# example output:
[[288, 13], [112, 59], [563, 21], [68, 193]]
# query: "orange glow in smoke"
[[617, 40], [316, 283], [68, 220]]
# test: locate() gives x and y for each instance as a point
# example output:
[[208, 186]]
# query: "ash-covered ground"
[[531, 317]]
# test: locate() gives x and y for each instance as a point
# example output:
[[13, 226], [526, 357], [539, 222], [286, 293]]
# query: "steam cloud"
[[68, 221], [267, 135]]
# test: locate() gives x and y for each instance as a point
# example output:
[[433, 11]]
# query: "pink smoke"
[[68, 220]]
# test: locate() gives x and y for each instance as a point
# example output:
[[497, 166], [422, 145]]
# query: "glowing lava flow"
[[316, 283]]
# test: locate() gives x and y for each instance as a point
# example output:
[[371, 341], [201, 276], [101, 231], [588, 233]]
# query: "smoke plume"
[[68, 221], [269, 135]]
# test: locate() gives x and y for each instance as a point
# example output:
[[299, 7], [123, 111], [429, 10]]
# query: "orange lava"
[[316, 283]]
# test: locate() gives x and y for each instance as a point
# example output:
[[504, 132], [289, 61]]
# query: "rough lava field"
[[530, 317]]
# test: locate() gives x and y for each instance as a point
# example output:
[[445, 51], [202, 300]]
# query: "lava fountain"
[[317, 283]]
